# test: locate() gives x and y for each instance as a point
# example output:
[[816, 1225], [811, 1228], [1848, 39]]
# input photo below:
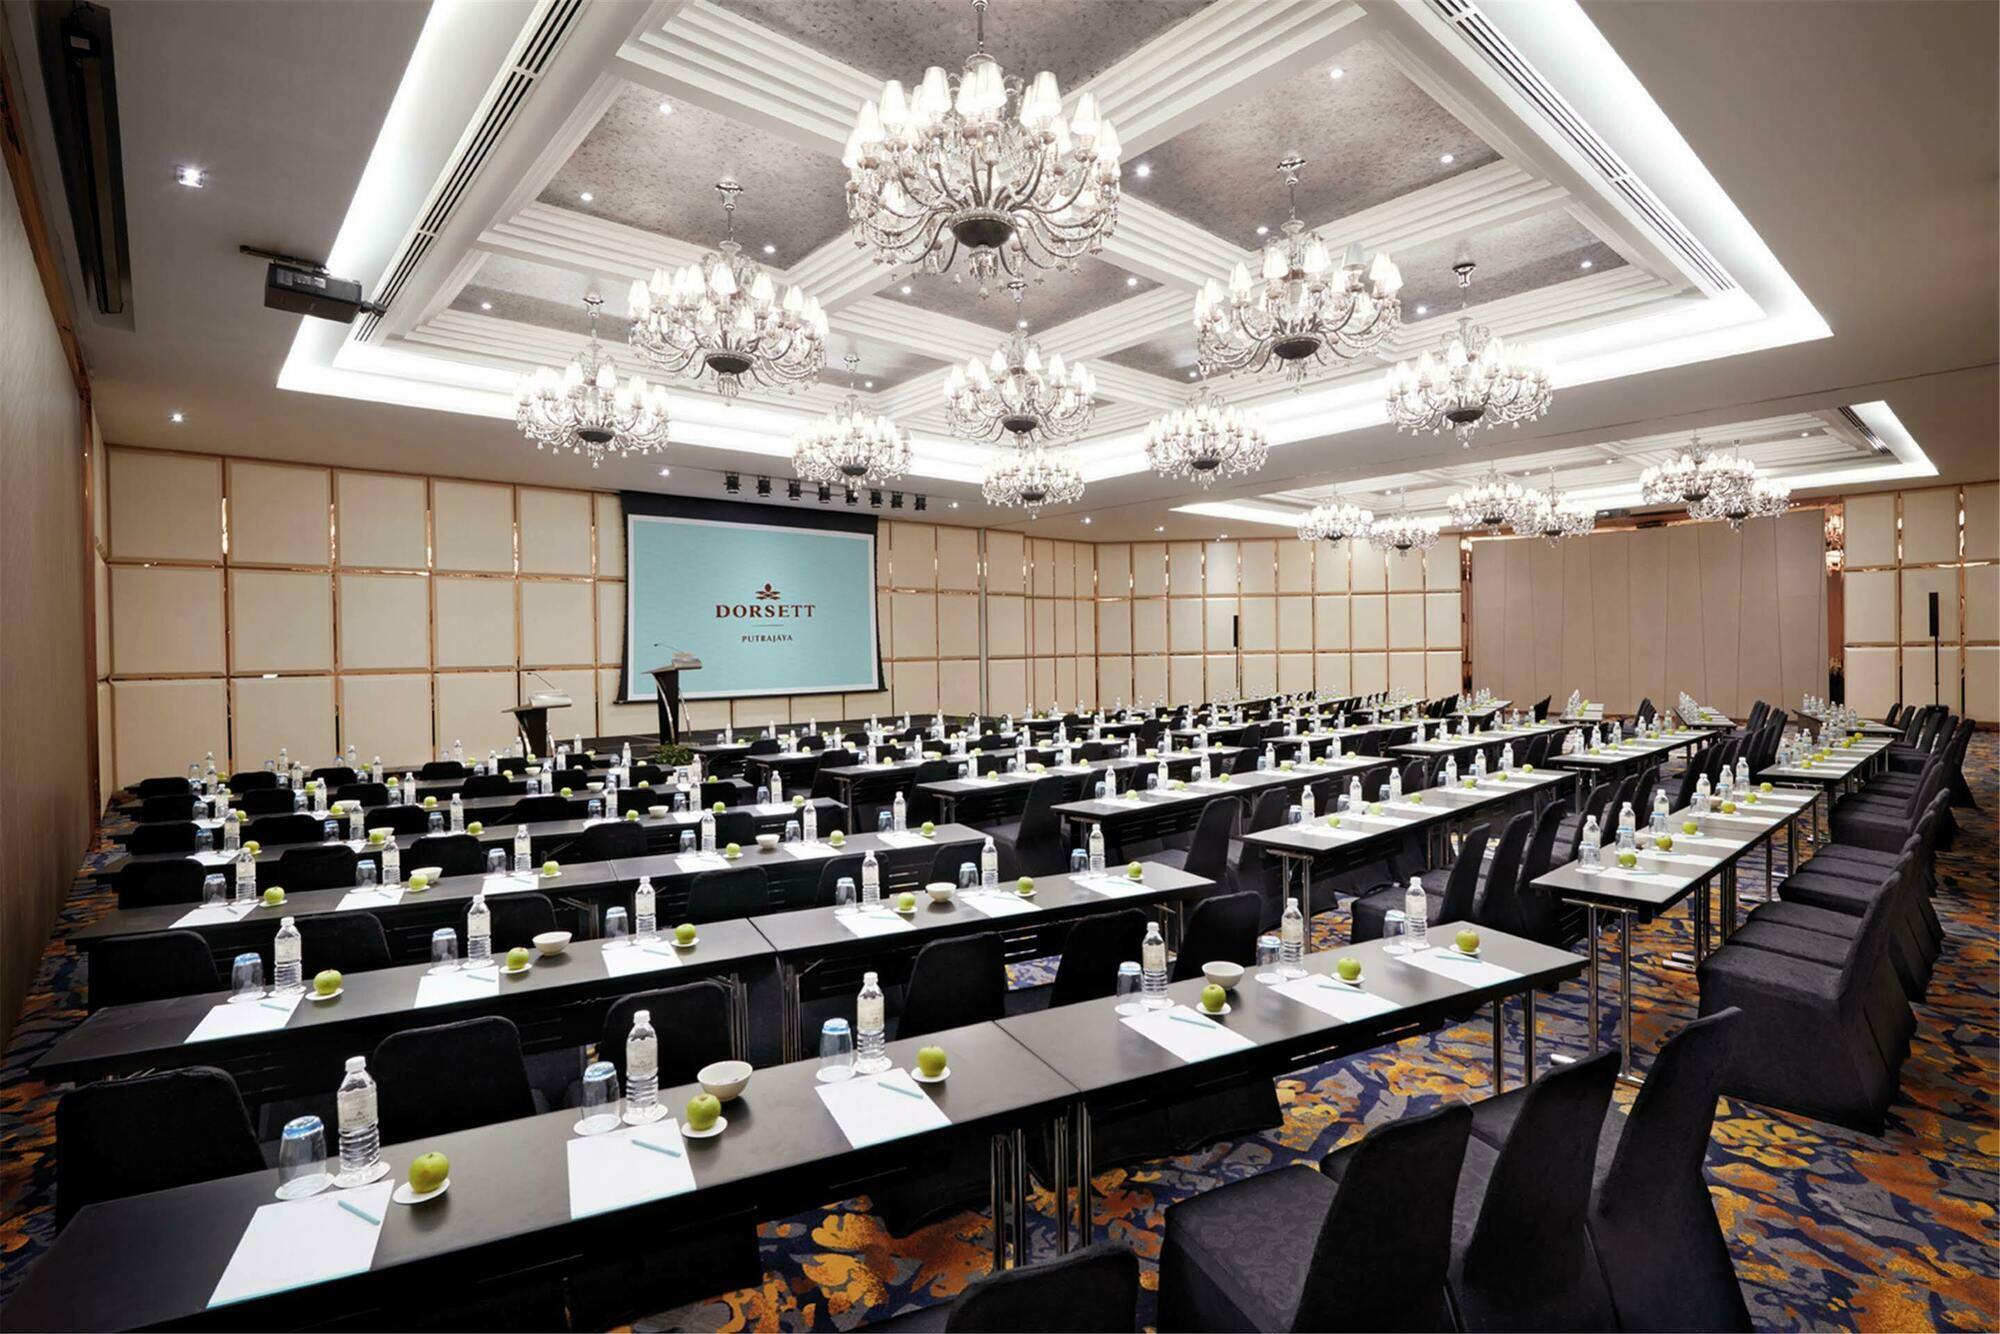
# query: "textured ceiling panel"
[[1515, 257], [1052, 297]]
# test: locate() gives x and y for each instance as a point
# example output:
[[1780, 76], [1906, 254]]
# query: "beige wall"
[[1899, 547], [1729, 617], [45, 807]]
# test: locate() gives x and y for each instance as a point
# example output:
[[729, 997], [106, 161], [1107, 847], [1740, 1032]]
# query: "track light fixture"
[[732, 483], [922, 501], [792, 489], [825, 493], [764, 487]]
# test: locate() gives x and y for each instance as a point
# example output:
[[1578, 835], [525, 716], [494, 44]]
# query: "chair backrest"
[[333, 775], [168, 836], [110, 1136], [516, 919], [400, 819], [1496, 904], [1390, 1214], [433, 1081], [574, 778], [602, 842], [1537, 912], [1038, 840], [1645, 710], [353, 942], [833, 868], [1895, 712], [127, 970], [1269, 810], [443, 769], [268, 801], [1642, 791], [692, 1021], [368, 794], [764, 745], [1461, 883], [323, 866], [1222, 927], [547, 806], [1092, 951], [1094, 1289], [272, 830], [717, 896], [159, 787], [952, 983], [453, 854], [180, 807], [1208, 852], [253, 780], [149, 884], [491, 785], [1542, 708], [925, 805]]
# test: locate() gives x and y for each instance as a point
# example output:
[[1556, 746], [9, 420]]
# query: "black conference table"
[[508, 1209], [1842, 766], [998, 793], [1152, 814]]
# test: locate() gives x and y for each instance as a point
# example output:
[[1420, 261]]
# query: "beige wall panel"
[[1222, 676], [475, 622], [1870, 606], [1368, 569], [1044, 627], [1930, 525], [1085, 558], [1114, 570], [1258, 571], [471, 707], [581, 687], [1066, 613], [1184, 569], [472, 524], [556, 624], [1115, 625], [1332, 674], [615, 719], [1369, 617], [958, 687], [1006, 627], [1982, 603], [1982, 522], [1489, 615], [1149, 626], [1066, 682], [1295, 623], [1221, 574], [1042, 568], [165, 506], [1086, 629], [1220, 614], [1579, 659], [1184, 625], [1919, 674], [1607, 565], [101, 630], [279, 515], [388, 716], [1295, 561], [1333, 566], [381, 520], [1065, 570], [280, 621], [1441, 620], [1406, 570], [1871, 529], [107, 768], [913, 624], [1371, 672], [1007, 685], [754, 715], [1759, 672], [1406, 672], [1686, 648], [1982, 684], [1149, 569], [1041, 682], [1441, 566], [1260, 674], [1802, 606], [1295, 672], [1517, 623], [161, 727], [1917, 587], [165, 620], [1006, 555], [958, 626], [1545, 571], [610, 513], [958, 557], [1114, 680], [1330, 621], [385, 621], [875, 702], [707, 715], [555, 531], [1646, 553], [885, 636], [1442, 675], [293, 712], [1406, 620], [1149, 679], [1260, 624], [915, 686], [912, 555], [1185, 682], [611, 622]]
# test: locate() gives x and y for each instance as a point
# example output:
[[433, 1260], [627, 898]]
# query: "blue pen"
[[1189, 1019], [360, 1213], [273, 1005], [657, 1148], [898, 1088]]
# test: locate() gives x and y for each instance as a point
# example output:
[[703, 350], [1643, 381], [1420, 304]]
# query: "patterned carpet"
[[1831, 1229]]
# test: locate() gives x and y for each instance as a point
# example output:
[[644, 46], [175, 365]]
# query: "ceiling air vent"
[[1865, 431], [1464, 17], [531, 58]]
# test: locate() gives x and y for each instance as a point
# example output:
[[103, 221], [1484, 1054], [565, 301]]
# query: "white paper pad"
[[998, 905], [625, 960], [457, 986], [872, 1109], [1343, 1002], [382, 896], [217, 916], [235, 1021], [1111, 886], [1472, 972], [807, 851], [775, 808], [213, 858], [512, 882], [701, 861], [883, 923], [294, 1243], [903, 840], [1186, 1034], [1413, 807], [628, 1166]]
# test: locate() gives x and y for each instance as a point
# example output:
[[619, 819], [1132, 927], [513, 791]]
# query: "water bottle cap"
[[356, 1064], [868, 980], [642, 1017], [286, 921]]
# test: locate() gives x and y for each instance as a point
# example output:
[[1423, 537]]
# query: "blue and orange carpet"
[[1831, 1229]]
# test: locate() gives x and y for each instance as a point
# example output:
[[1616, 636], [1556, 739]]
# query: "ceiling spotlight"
[[875, 500], [905, 289], [1160, 528], [895, 500], [1194, 372], [867, 384], [1132, 282], [954, 504], [1086, 518], [177, 417], [792, 489], [770, 249], [1587, 264], [825, 493], [1804, 434], [1262, 230], [486, 305], [764, 487], [851, 497], [1143, 170], [192, 177], [666, 472], [731, 483], [1222, 537], [1445, 159], [1336, 73], [1423, 310], [922, 502], [1020, 324], [586, 196], [666, 108]]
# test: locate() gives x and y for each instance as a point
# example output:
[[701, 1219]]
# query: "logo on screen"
[[768, 593], [766, 604]]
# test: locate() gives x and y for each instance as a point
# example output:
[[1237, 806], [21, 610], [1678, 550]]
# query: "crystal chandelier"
[[983, 163], [583, 409], [1205, 440], [1404, 531], [1016, 394], [1490, 503], [1554, 515], [851, 446], [1335, 523], [1304, 310], [1706, 483], [723, 316], [1030, 475], [1475, 380], [1769, 498]]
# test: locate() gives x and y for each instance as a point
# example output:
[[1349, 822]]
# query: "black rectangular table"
[[1128, 819]]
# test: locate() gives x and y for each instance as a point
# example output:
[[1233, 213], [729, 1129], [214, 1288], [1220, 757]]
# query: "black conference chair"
[[156, 965], [1222, 928], [400, 819], [1091, 953], [443, 770], [517, 919], [1449, 892], [1295, 1249], [491, 785], [326, 866], [367, 794], [535, 810], [945, 864], [272, 831], [433, 1081], [112, 1136], [253, 780], [692, 1021], [830, 874], [718, 896], [738, 827], [452, 854], [602, 842], [179, 807], [1036, 838], [269, 801], [171, 836], [925, 805], [954, 983], [151, 884], [333, 775], [1091, 1290], [352, 942], [1207, 853], [160, 787]]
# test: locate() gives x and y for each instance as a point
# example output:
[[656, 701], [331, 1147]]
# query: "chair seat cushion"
[[1369, 910], [1237, 1256], [1805, 917], [1734, 972], [1835, 894], [1793, 942], [1834, 854]]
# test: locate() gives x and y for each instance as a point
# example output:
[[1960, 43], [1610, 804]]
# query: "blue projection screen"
[[769, 609]]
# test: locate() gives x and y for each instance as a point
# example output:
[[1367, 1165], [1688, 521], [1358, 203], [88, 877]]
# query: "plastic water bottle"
[[1416, 917], [523, 849], [1628, 825], [1448, 775], [708, 831], [989, 865], [1269, 759], [357, 823], [778, 788], [899, 814], [645, 918], [246, 877], [1354, 800], [1507, 757], [642, 1069], [1478, 766], [1589, 844], [232, 831], [352, 755], [871, 1039], [1153, 967], [392, 864], [478, 931], [360, 1128], [871, 881], [287, 970], [1096, 845], [1742, 773], [1292, 940], [409, 789], [1395, 784], [1660, 806], [809, 823]]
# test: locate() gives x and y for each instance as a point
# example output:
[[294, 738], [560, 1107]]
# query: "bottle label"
[[642, 1060], [285, 951], [356, 1108], [1154, 954], [868, 1015], [1292, 930]]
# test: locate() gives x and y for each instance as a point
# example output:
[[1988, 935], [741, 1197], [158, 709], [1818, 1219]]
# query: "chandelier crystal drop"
[[723, 317], [1335, 523], [983, 163], [1404, 531], [851, 446], [582, 409], [1030, 475], [1015, 394], [1490, 503], [1474, 380], [1302, 310], [1205, 440], [1554, 515]]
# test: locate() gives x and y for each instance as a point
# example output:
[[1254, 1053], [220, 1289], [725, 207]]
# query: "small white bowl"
[[724, 1079], [1223, 973], [596, 786], [940, 891], [433, 874], [767, 841], [552, 943], [659, 812]]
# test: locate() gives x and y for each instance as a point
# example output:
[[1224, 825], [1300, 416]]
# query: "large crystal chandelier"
[[1335, 523], [584, 410], [851, 446], [1489, 503], [1696, 478], [1303, 310], [1404, 531], [1554, 515], [1030, 475], [1474, 380], [1206, 439], [723, 316], [1016, 394], [983, 163]]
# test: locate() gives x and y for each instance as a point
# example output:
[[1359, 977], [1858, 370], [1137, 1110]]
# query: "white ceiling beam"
[[566, 239]]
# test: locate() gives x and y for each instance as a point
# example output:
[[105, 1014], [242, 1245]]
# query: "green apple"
[[1180, 784], [718, 808], [428, 1171], [931, 1060], [1026, 885], [1333, 822], [632, 815], [836, 838], [253, 847], [643, 784], [684, 934], [419, 882], [1763, 787], [1285, 765], [566, 792], [517, 958], [1750, 798], [430, 803], [1628, 860], [906, 902], [475, 828], [378, 837], [1374, 808], [326, 981], [1690, 827], [1665, 842], [1467, 940], [1136, 871], [1348, 968], [1729, 808], [273, 897], [797, 801], [1213, 997], [1527, 768], [551, 867], [1223, 778], [393, 782], [732, 850], [702, 1111], [929, 828]]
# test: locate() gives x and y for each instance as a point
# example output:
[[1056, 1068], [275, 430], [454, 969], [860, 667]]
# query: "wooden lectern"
[[667, 687], [533, 720]]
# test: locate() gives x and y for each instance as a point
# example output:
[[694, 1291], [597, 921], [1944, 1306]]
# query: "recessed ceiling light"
[[1020, 324], [770, 249], [1086, 518], [486, 305], [1336, 73], [177, 417], [954, 504], [867, 384], [1222, 537], [1132, 281], [1262, 230], [1423, 310], [1143, 170], [1445, 159], [666, 108], [1804, 434], [586, 196], [1587, 264], [1160, 529], [192, 177], [906, 289]]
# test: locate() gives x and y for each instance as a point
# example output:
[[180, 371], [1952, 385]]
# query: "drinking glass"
[[436, 823], [246, 978], [496, 861], [444, 949], [214, 891], [1129, 985], [302, 1159], [1152, 782], [1079, 861], [1393, 924], [968, 877], [687, 842], [617, 927], [1295, 815], [600, 1099], [843, 895], [364, 875], [1102, 790], [791, 831], [596, 808], [881, 822], [1268, 948], [330, 831], [763, 795], [680, 801], [836, 1051]]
